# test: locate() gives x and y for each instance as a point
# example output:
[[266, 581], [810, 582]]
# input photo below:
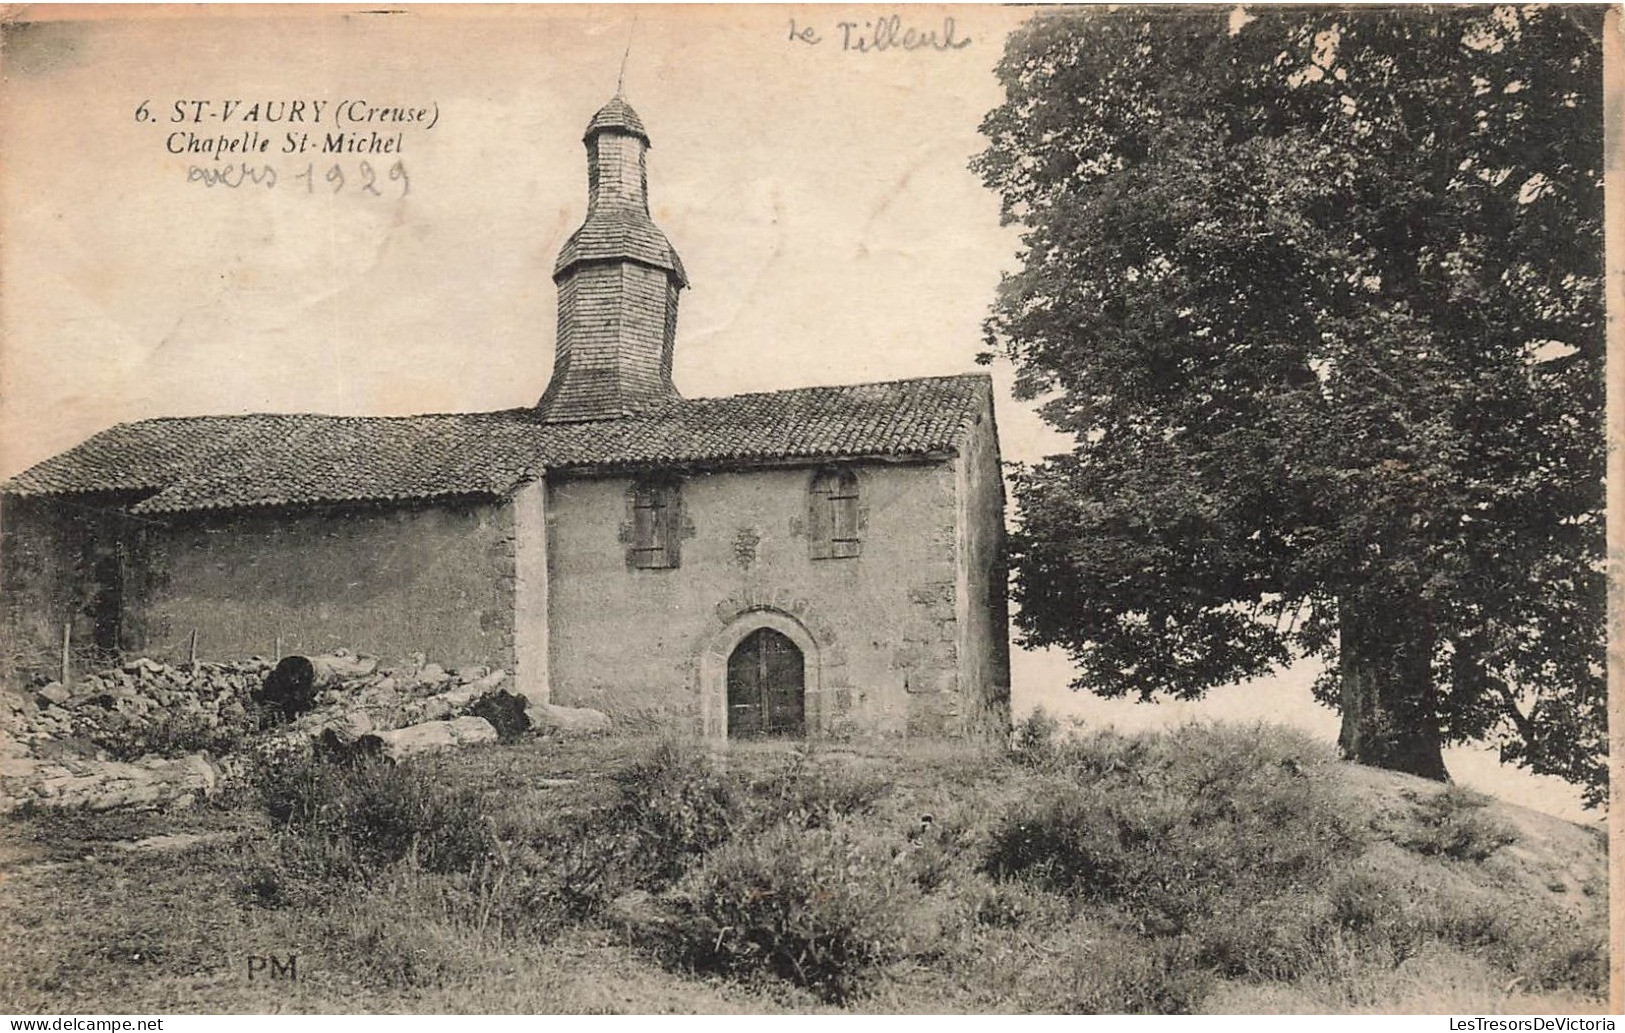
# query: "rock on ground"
[[547, 717]]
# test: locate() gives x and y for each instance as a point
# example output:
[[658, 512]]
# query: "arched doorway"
[[766, 687]]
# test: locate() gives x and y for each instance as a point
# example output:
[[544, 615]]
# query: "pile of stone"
[[101, 742], [124, 710], [121, 737]]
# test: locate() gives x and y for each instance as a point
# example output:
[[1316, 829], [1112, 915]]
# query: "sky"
[[818, 192]]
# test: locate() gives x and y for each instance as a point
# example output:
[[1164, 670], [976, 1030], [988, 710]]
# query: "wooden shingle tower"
[[618, 279]]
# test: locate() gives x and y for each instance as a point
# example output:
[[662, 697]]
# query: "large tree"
[[1318, 295]]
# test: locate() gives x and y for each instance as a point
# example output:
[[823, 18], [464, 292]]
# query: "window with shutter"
[[656, 521], [833, 528]]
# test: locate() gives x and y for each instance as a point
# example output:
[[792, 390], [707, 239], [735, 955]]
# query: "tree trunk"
[[292, 685], [428, 737], [1390, 712]]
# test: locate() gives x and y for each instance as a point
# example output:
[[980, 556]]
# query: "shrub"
[[1550, 952], [673, 807], [512, 898], [370, 814], [1107, 755], [929, 863], [1545, 948], [815, 906], [1282, 938], [1035, 738], [1017, 905], [810, 794], [1209, 821], [1132, 976], [1394, 918], [290, 872], [669, 808], [589, 871], [392, 956], [398, 934], [1453, 823]]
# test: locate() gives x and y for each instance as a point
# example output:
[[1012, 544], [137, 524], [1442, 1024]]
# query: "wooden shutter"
[[670, 523], [832, 525], [656, 526], [843, 500], [820, 521], [645, 519]]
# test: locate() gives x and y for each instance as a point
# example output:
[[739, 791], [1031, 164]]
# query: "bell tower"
[[618, 279]]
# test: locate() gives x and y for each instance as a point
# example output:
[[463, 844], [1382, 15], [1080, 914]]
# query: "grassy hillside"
[[1206, 869]]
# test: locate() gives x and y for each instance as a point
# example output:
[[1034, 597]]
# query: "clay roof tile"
[[180, 464]]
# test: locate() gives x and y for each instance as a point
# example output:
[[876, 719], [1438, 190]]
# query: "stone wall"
[[642, 643], [531, 632], [51, 556], [906, 638], [388, 581], [984, 628], [391, 581]]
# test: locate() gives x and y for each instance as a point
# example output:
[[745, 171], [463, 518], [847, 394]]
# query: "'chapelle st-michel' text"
[[236, 128]]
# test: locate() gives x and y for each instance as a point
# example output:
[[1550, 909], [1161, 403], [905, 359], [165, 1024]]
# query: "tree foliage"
[[1318, 295]]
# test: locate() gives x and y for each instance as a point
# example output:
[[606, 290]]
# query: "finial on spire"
[[620, 80]]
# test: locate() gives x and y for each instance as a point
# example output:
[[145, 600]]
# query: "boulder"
[[54, 694], [432, 675], [18, 766], [546, 717], [345, 725]]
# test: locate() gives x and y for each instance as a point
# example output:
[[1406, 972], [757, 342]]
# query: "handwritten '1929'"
[[362, 179]]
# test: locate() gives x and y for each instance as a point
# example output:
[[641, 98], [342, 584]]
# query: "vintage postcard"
[[803, 509]]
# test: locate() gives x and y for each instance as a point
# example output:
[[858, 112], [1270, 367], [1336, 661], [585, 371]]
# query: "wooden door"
[[766, 693]]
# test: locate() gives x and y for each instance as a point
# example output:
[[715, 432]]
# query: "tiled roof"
[[225, 462], [617, 114]]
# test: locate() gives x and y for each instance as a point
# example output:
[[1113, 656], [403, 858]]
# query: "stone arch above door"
[[713, 667]]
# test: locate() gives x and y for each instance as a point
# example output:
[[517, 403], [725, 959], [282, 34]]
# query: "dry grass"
[[558, 884]]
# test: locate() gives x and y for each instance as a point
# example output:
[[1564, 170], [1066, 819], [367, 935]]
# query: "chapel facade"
[[807, 562]]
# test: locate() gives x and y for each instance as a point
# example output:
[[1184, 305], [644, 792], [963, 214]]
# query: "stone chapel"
[[807, 562]]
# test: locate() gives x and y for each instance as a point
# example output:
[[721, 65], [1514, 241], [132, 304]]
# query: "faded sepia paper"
[[181, 233], [818, 195], [810, 169]]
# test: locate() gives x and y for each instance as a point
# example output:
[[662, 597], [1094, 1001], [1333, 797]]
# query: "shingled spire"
[[618, 279]]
